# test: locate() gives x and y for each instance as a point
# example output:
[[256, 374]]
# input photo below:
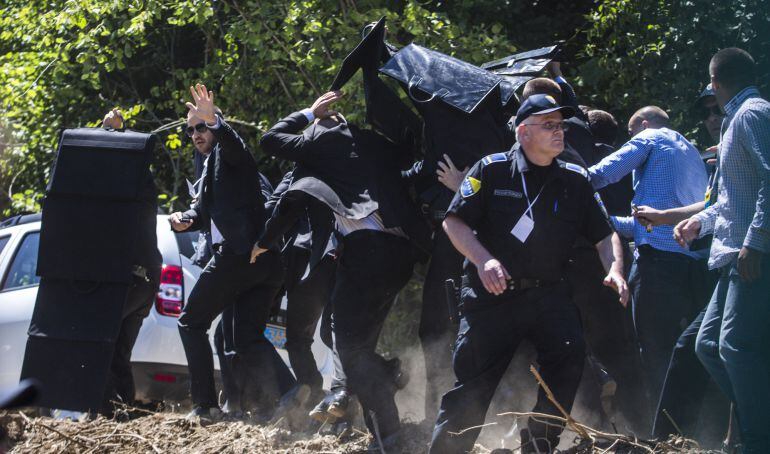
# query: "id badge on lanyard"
[[526, 223]]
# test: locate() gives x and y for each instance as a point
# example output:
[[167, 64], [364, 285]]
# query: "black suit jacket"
[[351, 170], [310, 222], [231, 193]]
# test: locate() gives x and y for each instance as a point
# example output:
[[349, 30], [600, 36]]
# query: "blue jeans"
[[733, 346]]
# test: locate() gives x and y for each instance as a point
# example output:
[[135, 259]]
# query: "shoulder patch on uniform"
[[497, 157], [470, 186], [577, 169]]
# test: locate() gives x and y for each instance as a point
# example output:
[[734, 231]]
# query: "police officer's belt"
[[525, 283]]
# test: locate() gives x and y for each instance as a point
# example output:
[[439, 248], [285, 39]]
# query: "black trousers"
[[685, 390], [668, 290], [374, 266], [435, 334], [306, 300], [609, 334], [223, 345], [120, 381], [488, 338], [339, 379], [230, 280]]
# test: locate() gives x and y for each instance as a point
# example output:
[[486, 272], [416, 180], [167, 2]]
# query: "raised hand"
[[113, 120], [204, 104], [321, 105], [448, 174]]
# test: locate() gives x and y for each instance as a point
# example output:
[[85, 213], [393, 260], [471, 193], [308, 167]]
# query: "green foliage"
[[65, 63], [657, 52]]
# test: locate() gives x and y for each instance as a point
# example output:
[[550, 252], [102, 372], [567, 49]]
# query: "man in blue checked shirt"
[[669, 283], [733, 341]]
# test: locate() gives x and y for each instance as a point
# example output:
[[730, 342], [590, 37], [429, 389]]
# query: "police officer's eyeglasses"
[[200, 127], [551, 125]]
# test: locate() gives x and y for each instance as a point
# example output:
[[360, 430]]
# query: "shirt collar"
[[523, 165], [732, 106]]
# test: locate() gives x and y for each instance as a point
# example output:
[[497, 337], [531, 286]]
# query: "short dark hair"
[[733, 68], [541, 86], [603, 126]]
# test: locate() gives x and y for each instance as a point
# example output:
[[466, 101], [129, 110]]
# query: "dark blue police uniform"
[[537, 304]]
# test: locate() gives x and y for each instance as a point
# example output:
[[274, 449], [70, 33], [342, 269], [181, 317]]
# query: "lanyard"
[[532, 203]]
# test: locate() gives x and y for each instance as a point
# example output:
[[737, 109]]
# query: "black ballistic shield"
[[85, 263]]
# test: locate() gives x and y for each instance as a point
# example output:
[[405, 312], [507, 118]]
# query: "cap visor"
[[566, 111], [366, 53]]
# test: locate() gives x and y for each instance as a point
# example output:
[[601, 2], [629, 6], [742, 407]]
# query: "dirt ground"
[[171, 433]]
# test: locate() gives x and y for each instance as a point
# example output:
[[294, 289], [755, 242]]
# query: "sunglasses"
[[200, 127]]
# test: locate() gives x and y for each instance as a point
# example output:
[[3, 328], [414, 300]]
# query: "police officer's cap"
[[541, 105], [708, 91]]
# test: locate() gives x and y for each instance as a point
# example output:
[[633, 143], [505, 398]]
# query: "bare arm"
[[672, 216], [491, 272], [611, 255]]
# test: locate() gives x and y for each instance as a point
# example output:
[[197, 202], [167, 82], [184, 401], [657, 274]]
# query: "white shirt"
[[372, 222], [216, 235]]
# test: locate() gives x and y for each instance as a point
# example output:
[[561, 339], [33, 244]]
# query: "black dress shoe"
[[339, 402]]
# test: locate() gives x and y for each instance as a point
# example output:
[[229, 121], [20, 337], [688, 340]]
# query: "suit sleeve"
[[275, 197], [232, 148], [291, 206], [285, 139], [194, 214]]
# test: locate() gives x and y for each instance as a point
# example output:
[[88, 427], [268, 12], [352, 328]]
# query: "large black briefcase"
[[429, 75]]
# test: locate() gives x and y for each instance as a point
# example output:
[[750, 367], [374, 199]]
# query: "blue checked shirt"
[[741, 215], [667, 173]]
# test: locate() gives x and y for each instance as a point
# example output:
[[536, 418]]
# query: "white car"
[[158, 359]]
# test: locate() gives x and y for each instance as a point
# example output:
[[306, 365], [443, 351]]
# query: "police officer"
[[515, 219]]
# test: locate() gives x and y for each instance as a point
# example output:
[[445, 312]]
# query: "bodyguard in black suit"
[[308, 289], [354, 172], [231, 207]]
